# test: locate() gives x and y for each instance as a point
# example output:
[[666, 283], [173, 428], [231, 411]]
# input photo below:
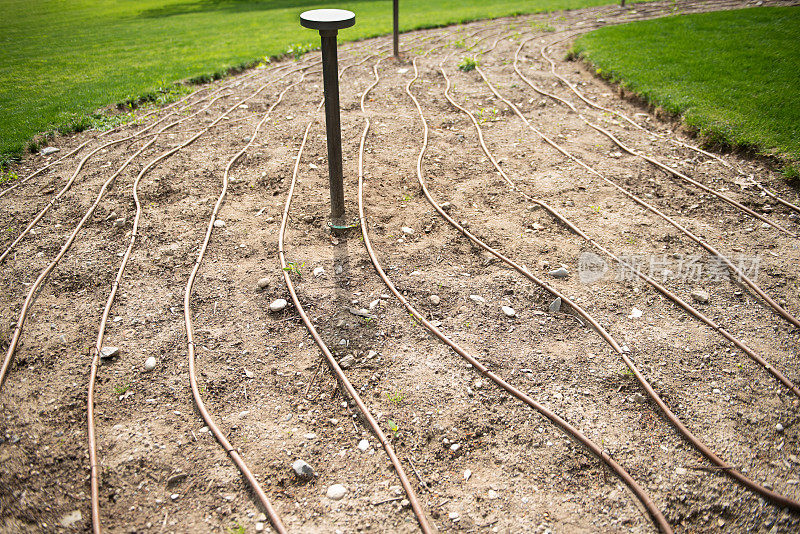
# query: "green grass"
[[60, 60], [734, 76]]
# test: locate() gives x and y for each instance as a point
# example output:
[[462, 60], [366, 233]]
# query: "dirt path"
[[489, 462]]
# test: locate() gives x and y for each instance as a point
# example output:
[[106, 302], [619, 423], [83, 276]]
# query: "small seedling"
[[625, 371], [406, 198], [467, 64], [595, 209], [298, 49], [393, 427], [121, 389], [542, 26], [294, 267], [487, 114], [7, 176], [396, 397], [459, 44], [236, 529]]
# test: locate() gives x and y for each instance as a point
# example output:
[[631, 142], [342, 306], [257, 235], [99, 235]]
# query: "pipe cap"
[[327, 19]]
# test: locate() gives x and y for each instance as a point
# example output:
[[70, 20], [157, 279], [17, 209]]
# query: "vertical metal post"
[[330, 75], [328, 22], [396, 28]]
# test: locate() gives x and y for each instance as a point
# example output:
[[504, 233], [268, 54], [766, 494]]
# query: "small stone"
[[70, 519], [176, 479], [638, 397], [318, 271], [492, 494], [477, 298], [363, 445], [219, 223], [303, 470], [700, 296], [46, 151], [308, 218], [435, 299], [174, 496], [263, 283], [406, 230], [467, 474], [109, 352], [509, 311], [278, 305], [561, 272], [371, 354], [446, 206], [336, 492], [119, 223], [453, 516], [361, 312], [779, 427], [680, 471], [260, 527], [405, 503], [261, 517], [374, 304], [347, 362], [555, 306], [635, 313], [249, 374], [454, 447], [150, 363]]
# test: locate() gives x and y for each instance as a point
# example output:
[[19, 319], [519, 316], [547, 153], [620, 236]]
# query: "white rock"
[[492, 494], [635, 313], [467, 474], [455, 446], [47, 151], [363, 445], [263, 283], [319, 271], [701, 296], [109, 352], [680, 471], [70, 519], [477, 298], [219, 223], [453, 516], [406, 230], [150, 363], [555, 306], [260, 527], [278, 305], [249, 374], [561, 272], [779, 427], [336, 492], [435, 299], [303, 470], [509, 311]]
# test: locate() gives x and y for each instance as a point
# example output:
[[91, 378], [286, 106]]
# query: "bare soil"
[[256, 366]]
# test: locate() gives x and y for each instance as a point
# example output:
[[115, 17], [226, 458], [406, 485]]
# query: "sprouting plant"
[[393, 427], [236, 529], [467, 64], [459, 44], [294, 267], [542, 26], [122, 388], [406, 197], [7, 176], [298, 49], [595, 209], [625, 371], [396, 397], [487, 114]]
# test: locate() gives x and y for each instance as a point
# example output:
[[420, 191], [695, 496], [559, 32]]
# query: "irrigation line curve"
[[658, 518], [673, 140], [65, 247], [115, 285], [655, 284], [770, 495], [187, 307], [336, 370], [664, 167], [700, 241], [71, 181]]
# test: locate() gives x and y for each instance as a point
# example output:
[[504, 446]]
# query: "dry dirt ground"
[[255, 366]]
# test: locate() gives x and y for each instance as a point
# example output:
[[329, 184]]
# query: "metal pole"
[[330, 75], [396, 28]]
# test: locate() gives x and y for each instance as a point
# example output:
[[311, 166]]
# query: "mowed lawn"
[[62, 59], [733, 75]]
